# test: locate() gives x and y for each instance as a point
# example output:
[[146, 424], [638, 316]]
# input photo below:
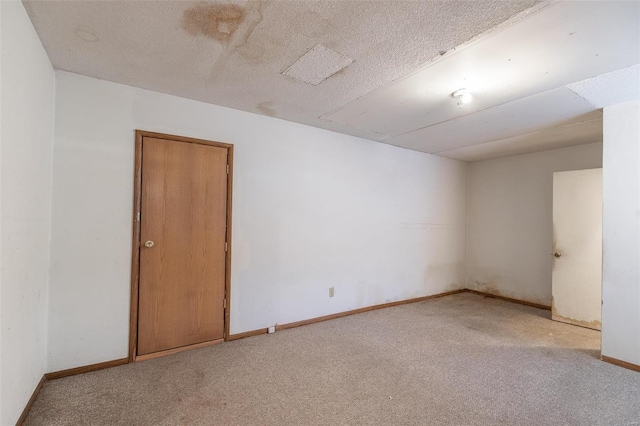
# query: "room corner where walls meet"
[[27, 116], [509, 222]]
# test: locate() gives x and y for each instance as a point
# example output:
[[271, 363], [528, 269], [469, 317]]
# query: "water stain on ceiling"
[[215, 21], [233, 52], [266, 108], [230, 26]]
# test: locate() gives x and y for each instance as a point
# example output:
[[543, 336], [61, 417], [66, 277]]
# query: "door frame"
[[135, 253]]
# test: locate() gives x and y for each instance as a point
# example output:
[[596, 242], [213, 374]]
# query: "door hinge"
[[224, 303], [227, 169], [138, 217], [225, 246]]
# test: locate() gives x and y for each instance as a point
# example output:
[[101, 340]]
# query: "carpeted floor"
[[458, 360]]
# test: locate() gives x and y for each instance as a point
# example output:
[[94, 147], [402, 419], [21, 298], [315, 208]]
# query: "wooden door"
[[182, 244], [577, 247]]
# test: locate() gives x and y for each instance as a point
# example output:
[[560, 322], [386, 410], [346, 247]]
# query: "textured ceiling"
[[233, 54], [612, 88], [517, 58], [518, 76]]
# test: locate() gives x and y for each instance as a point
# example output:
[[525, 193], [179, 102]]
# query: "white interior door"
[[577, 248]]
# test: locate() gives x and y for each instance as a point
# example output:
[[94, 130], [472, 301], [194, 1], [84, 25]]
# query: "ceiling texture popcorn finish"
[[609, 89], [233, 53], [382, 70]]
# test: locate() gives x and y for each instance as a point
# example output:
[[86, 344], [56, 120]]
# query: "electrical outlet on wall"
[[331, 291]]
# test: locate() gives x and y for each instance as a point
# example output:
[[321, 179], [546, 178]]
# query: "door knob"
[[148, 244], [555, 254]]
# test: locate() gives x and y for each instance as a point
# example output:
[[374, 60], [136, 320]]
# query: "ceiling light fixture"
[[463, 97]]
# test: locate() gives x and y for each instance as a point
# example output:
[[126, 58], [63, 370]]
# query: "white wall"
[[510, 221], [312, 209], [621, 233], [27, 83]]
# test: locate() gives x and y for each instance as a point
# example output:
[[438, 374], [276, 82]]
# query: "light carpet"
[[458, 360]]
